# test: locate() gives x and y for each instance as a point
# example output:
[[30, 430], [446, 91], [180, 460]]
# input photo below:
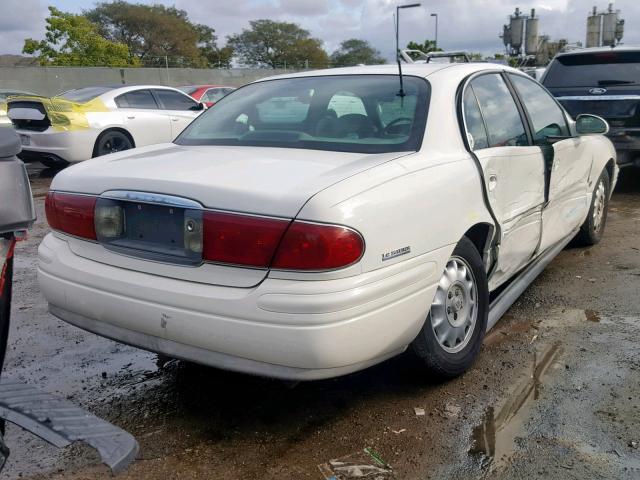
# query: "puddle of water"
[[592, 315], [494, 439]]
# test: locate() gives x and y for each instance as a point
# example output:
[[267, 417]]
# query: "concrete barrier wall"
[[49, 81]]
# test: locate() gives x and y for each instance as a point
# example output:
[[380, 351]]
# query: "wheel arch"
[[481, 235], [611, 170], [111, 129]]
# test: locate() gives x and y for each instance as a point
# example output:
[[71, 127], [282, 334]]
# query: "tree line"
[[123, 34]]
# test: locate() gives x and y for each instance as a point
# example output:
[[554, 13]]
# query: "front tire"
[[592, 229], [452, 334]]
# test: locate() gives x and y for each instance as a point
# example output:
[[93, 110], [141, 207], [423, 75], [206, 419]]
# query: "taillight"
[[72, 214], [241, 239], [313, 246]]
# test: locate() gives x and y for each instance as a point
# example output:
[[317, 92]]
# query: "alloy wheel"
[[454, 311]]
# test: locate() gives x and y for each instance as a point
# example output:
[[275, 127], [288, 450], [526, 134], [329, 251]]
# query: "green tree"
[[426, 47], [73, 40], [208, 45], [354, 52], [276, 44], [153, 32]]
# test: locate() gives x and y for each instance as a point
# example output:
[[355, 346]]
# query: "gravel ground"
[[555, 393]]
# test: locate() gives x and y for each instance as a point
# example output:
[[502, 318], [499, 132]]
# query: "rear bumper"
[[74, 146], [299, 330]]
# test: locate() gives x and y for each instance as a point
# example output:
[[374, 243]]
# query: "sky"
[[471, 25]]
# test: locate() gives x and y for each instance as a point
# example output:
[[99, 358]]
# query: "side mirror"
[[587, 124], [199, 106]]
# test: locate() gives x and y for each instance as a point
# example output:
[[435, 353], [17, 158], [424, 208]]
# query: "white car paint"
[[309, 325], [76, 142]]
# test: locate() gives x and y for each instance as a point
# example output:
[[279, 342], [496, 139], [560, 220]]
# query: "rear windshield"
[[594, 69], [82, 95], [350, 113], [189, 89]]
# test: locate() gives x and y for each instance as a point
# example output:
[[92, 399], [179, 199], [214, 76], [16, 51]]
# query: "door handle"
[[175, 119], [131, 117], [493, 182]]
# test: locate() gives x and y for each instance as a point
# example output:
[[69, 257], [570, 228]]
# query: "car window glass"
[[285, 110], [82, 95], [212, 95], [546, 116], [476, 133], [595, 69], [345, 103], [171, 100], [137, 99], [333, 112], [501, 116], [393, 110]]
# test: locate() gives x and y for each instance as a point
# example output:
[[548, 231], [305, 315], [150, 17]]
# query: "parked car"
[[4, 94], [17, 213], [207, 94], [606, 82], [317, 223], [92, 121]]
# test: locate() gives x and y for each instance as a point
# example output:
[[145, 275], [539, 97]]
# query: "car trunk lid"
[[266, 182]]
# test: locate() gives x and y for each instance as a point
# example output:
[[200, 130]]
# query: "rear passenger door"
[[568, 161], [513, 170], [142, 117], [179, 108]]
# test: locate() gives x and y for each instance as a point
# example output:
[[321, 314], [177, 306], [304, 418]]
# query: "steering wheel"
[[397, 120]]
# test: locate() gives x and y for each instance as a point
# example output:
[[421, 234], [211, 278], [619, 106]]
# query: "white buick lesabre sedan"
[[92, 121], [314, 224]]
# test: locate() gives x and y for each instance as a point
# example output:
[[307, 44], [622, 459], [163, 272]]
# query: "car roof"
[[455, 70], [584, 51]]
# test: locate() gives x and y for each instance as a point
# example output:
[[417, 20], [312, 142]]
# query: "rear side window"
[[547, 118], [171, 100], [501, 116], [137, 99], [594, 69], [476, 133]]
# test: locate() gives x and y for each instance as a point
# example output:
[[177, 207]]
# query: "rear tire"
[[593, 227], [452, 334], [111, 141]]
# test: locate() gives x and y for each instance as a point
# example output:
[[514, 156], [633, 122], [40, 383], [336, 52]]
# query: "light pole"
[[436, 41], [411, 5]]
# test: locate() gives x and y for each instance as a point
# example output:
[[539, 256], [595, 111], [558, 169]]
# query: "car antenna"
[[412, 5]]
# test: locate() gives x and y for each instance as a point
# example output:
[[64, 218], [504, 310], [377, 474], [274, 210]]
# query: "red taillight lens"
[[72, 214], [311, 246], [241, 239]]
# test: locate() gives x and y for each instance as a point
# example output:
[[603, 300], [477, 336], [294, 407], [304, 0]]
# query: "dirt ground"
[[555, 393]]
